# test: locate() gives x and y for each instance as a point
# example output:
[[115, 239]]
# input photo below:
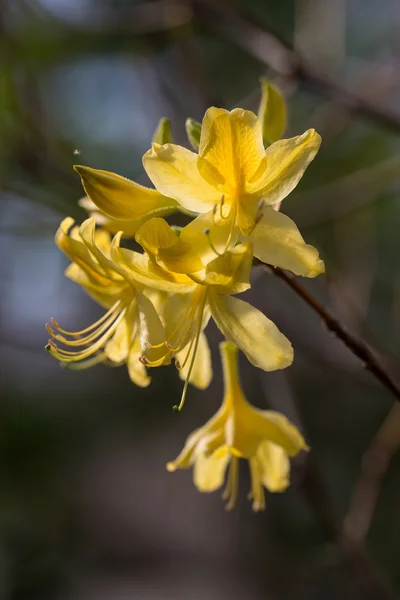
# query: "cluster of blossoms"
[[158, 303]]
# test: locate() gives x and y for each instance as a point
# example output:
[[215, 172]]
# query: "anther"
[[144, 360]]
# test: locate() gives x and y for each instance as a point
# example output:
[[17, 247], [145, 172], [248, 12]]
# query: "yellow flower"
[[130, 321], [265, 438], [233, 182], [195, 297]]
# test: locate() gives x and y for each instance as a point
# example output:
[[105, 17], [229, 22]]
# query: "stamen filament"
[[74, 356], [197, 337], [87, 329], [84, 341]]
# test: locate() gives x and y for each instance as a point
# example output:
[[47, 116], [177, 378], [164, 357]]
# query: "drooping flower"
[[234, 182], [238, 430], [206, 293], [129, 326]]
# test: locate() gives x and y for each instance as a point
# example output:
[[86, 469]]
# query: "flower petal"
[[201, 374], [171, 252], [209, 471], [282, 431], [173, 170], [260, 340], [274, 467], [286, 161], [230, 273], [137, 371], [277, 241], [231, 148], [117, 348], [120, 198], [152, 335]]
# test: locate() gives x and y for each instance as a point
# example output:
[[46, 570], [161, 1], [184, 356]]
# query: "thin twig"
[[356, 346], [269, 48], [374, 465]]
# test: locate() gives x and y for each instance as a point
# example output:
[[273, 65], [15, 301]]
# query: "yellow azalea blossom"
[[238, 430], [234, 182], [130, 323], [195, 297]]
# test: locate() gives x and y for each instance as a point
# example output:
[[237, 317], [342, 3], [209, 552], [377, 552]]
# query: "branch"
[[269, 48], [374, 465], [356, 346]]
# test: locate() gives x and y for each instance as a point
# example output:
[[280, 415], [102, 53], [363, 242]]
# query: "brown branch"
[[269, 48], [355, 345], [374, 465]]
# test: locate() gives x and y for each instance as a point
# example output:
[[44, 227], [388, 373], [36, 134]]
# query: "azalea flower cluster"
[[158, 302]]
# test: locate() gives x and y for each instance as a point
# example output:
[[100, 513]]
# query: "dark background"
[[87, 509]]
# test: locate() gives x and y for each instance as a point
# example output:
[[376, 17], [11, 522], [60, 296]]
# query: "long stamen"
[[193, 358], [207, 232], [74, 356], [84, 341], [87, 329], [232, 487], [181, 366], [86, 364]]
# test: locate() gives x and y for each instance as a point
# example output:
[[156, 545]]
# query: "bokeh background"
[[87, 509]]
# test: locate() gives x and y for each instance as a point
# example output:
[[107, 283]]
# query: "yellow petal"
[[121, 198], [128, 227], [181, 317], [260, 340], [231, 148], [286, 161], [209, 472], [117, 349], [201, 374], [142, 270], [274, 467], [137, 371], [230, 273], [69, 242], [282, 431], [272, 112], [152, 335], [173, 170], [171, 252], [277, 241]]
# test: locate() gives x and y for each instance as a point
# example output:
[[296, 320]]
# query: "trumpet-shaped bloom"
[[195, 297], [234, 181], [238, 430], [130, 324]]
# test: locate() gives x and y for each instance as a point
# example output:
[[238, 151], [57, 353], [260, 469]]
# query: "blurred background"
[[87, 509]]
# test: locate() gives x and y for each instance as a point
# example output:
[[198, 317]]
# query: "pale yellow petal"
[[274, 467], [277, 241], [172, 252], [151, 332], [201, 374], [118, 347], [281, 431], [231, 148], [121, 198], [137, 371], [286, 161], [230, 273], [258, 337], [209, 472], [173, 170]]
